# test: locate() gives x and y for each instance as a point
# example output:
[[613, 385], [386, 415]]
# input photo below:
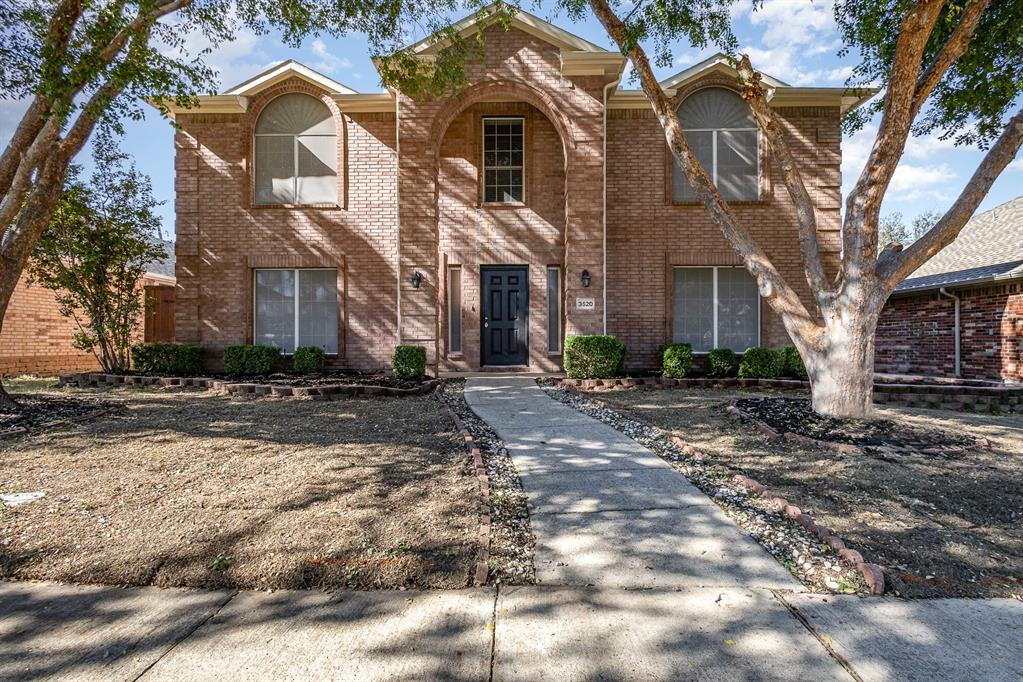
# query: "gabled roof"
[[283, 71], [522, 20], [719, 63], [990, 247]]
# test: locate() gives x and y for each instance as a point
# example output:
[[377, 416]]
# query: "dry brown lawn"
[[939, 525], [187, 489]]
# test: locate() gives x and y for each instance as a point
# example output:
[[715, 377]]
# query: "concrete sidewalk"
[[607, 511], [50, 631]]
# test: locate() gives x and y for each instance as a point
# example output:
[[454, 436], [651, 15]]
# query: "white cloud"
[[914, 179], [794, 22], [234, 61], [328, 62], [910, 182], [1016, 165]]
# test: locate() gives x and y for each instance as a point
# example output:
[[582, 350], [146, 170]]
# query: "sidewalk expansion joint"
[[813, 631], [493, 633]]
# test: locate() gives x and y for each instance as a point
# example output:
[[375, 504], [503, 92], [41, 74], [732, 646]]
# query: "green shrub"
[[308, 359], [168, 358], [409, 362], [792, 363], [721, 362], [676, 359], [251, 359], [760, 363], [593, 357]]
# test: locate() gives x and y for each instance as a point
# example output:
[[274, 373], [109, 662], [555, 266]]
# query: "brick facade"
[[420, 210], [916, 334]]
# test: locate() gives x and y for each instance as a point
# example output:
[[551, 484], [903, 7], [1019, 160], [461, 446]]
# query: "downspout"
[[955, 298], [397, 196], [603, 268]]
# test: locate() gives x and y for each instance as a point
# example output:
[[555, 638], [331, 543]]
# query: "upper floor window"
[[723, 134], [503, 158], [296, 152]]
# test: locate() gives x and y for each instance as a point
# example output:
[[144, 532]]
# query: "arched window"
[[723, 134], [296, 152]]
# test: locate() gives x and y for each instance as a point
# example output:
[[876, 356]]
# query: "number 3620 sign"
[[585, 304]]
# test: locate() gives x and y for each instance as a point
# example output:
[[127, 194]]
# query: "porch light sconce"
[[586, 278], [416, 279]]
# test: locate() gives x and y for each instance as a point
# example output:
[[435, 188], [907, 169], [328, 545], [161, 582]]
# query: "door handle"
[[486, 321]]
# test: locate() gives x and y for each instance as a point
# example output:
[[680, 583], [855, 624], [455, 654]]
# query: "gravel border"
[[512, 545], [782, 529]]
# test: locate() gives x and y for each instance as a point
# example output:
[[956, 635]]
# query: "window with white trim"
[[296, 152], [503, 160], [715, 307], [295, 308], [553, 310], [721, 131], [454, 310]]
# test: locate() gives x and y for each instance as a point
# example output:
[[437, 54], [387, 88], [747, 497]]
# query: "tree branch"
[[859, 234], [892, 268], [806, 217], [773, 287], [957, 43]]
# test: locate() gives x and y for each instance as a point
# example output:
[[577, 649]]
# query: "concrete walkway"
[[50, 631], [607, 511]]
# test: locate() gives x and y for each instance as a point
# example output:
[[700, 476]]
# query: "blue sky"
[[794, 40]]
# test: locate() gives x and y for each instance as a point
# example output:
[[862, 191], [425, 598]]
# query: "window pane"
[[455, 310], [502, 160], [702, 144], [712, 108], [738, 309], [737, 165], [553, 310], [275, 170], [317, 177], [296, 114], [317, 311], [693, 308], [275, 309]]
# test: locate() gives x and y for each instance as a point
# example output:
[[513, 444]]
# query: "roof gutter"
[[944, 292]]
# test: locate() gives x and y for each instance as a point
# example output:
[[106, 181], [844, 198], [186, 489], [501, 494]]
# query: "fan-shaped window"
[[296, 152], [723, 134]]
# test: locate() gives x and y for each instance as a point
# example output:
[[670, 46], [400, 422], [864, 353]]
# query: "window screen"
[[723, 134], [296, 308], [455, 310], [503, 159], [715, 307], [554, 310], [296, 152]]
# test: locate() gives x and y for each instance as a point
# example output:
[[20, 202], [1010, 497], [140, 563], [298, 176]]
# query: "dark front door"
[[505, 314]]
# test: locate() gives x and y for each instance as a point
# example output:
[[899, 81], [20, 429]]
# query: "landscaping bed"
[[941, 520], [189, 489]]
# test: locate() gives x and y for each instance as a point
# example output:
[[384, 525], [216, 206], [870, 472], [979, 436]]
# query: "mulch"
[[38, 410], [319, 379], [795, 415]]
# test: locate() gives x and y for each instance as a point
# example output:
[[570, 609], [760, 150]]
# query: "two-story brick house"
[[540, 201]]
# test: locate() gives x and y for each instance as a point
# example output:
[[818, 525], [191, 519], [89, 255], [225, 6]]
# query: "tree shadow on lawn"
[[357, 493], [954, 517]]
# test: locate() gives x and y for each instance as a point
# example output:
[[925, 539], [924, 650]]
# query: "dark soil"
[[940, 521], [36, 410], [320, 379], [794, 415]]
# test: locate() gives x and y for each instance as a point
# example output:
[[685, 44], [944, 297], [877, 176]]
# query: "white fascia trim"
[[285, 70], [717, 62]]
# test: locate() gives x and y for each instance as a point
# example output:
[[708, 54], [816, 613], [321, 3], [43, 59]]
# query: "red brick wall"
[[647, 234], [222, 236], [915, 334]]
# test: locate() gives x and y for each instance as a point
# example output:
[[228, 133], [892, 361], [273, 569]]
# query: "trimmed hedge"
[[676, 359], [307, 360], [251, 359], [792, 363], [760, 363], [593, 357], [168, 358], [409, 362], [721, 362]]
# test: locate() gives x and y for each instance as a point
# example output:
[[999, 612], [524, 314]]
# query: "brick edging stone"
[[483, 563], [872, 573], [222, 387]]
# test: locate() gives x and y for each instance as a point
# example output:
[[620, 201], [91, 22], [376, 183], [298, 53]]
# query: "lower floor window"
[[715, 307], [553, 310], [295, 308]]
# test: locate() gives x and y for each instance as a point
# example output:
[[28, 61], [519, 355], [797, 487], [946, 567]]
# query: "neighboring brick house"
[[37, 339], [977, 282], [538, 202]]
